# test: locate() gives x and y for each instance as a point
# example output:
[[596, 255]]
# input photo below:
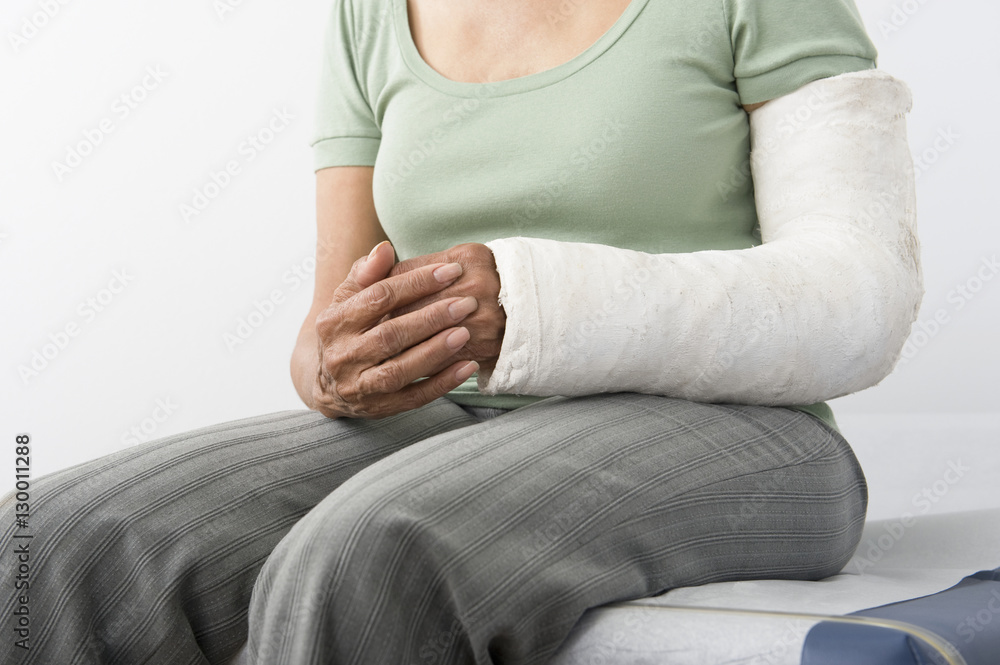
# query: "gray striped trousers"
[[429, 538]]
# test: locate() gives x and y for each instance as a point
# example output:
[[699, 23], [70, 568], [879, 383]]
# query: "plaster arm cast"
[[819, 310]]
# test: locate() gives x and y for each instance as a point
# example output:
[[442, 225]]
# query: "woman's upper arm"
[[347, 227]]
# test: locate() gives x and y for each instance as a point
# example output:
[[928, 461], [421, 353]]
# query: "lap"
[[527, 518], [290, 459], [618, 448], [535, 515]]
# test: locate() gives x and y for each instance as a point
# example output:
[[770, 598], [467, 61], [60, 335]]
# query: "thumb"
[[375, 266], [367, 271]]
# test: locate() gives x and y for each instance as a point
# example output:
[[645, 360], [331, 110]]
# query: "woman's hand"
[[479, 280], [368, 361]]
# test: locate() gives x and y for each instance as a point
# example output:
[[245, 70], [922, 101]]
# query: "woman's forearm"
[[820, 310], [305, 364]]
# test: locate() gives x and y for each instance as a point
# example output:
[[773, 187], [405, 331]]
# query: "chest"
[[638, 142], [480, 40]]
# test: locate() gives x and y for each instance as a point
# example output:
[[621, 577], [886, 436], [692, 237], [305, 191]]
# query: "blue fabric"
[[967, 615]]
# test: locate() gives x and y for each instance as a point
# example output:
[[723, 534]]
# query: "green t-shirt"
[[639, 142]]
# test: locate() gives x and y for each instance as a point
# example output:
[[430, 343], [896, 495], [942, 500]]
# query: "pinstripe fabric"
[[149, 555], [487, 544], [432, 537]]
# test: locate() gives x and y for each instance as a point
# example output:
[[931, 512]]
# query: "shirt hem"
[[789, 78], [345, 151]]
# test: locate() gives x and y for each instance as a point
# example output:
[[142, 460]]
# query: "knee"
[[350, 544], [72, 547], [52, 507], [84, 511], [346, 566]]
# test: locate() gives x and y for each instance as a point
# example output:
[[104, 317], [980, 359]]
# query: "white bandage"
[[820, 310]]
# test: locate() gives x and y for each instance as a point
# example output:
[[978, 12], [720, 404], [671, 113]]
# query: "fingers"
[[376, 348], [365, 308], [479, 279], [468, 254], [397, 352], [377, 396], [423, 392], [358, 313], [414, 363], [404, 341], [375, 266], [393, 336], [415, 262], [366, 271]]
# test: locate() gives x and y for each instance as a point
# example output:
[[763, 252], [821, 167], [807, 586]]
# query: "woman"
[[569, 187]]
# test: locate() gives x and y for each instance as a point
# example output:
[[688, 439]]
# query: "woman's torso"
[[636, 139]]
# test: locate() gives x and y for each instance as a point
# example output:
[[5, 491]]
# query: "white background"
[[224, 75]]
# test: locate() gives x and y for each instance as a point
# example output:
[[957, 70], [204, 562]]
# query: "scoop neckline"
[[436, 80]]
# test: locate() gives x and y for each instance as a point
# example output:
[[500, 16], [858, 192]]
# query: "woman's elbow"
[[886, 311]]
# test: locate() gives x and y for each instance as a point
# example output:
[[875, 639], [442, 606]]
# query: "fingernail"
[[375, 249], [457, 339], [447, 272], [463, 307], [466, 370]]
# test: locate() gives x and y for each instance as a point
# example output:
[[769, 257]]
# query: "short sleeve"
[[780, 45], [346, 133]]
